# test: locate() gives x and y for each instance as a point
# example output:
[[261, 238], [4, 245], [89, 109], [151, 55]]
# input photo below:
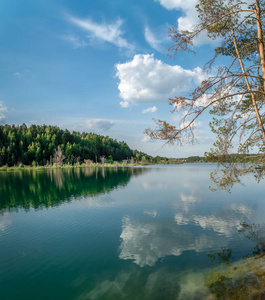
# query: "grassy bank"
[[94, 165], [67, 166]]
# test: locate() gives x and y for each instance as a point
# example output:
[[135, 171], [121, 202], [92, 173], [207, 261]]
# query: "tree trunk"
[[260, 42], [248, 85]]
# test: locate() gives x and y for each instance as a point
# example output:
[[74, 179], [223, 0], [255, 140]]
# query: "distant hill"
[[37, 144]]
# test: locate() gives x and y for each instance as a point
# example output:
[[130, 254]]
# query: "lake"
[[152, 232]]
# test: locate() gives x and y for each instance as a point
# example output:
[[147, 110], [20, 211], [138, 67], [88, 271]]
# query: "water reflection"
[[52, 187], [241, 279], [188, 200], [151, 240], [146, 241], [150, 285], [133, 284], [151, 213], [5, 220], [225, 222], [256, 234]]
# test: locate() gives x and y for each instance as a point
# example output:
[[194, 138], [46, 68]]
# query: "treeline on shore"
[[41, 145], [233, 158], [230, 158], [46, 145]]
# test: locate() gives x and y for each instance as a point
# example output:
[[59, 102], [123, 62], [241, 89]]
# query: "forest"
[[38, 144]]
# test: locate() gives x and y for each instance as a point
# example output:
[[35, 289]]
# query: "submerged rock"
[[243, 280]]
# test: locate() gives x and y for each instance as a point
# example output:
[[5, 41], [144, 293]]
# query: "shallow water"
[[127, 233]]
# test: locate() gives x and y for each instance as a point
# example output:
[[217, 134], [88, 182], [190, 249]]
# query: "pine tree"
[[234, 93]]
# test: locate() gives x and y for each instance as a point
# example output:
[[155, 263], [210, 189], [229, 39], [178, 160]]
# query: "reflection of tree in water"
[[256, 234], [43, 189], [244, 279]]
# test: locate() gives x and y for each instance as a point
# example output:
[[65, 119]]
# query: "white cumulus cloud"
[[189, 18], [146, 79], [150, 110], [146, 139], [124, 104], [110, 33]]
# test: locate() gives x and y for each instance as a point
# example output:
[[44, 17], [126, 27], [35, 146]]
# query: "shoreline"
[[54, 167]]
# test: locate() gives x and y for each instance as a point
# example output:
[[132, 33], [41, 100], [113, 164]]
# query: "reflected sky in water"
[[129, 233]]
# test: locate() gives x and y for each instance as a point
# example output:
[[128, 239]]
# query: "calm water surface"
[[129, 233]]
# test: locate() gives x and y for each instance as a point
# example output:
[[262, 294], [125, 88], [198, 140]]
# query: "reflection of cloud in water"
[[154, 185], [146, 185], [95, 202], [243, 209], [151, 213], [203, 242], [226, 222], [5, 220], [188, 199], [181, 219], [109, 288], [148, 285], [146, 241]]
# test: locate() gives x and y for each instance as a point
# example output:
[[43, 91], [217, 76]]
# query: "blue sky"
[[99, 66]]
